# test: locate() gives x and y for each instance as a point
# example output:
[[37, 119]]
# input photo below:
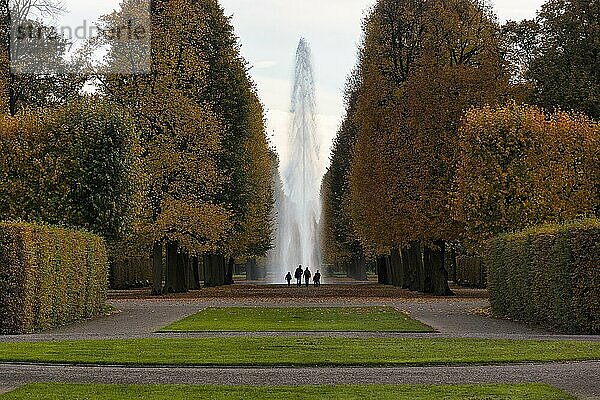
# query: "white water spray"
[[298, 237]]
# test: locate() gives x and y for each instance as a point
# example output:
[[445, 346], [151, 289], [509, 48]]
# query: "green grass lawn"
[[350, 319], [113, 392], [287, 351]]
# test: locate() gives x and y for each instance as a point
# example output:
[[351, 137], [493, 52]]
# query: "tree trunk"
[[171, 270], [182, 273], [229, 272], [238, 269], [427, 285], [349, 266], [382, 270], [214, 270], [251, 273], [453, 257], [355, 269], [157, 264], [415, 260], [207, 263], [397, 267], [388, 271], [186, 261], [175, 281], [176, 270], [222, 269], [194, 274], [392, 271], [361, 268], [201, 273], [406, 272], [439, 274]]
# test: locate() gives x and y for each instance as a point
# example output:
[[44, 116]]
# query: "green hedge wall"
[[548, 275], [49, 277]]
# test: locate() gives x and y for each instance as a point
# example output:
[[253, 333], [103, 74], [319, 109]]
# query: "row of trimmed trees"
[[198, 176], [410, 173], [207, 164]]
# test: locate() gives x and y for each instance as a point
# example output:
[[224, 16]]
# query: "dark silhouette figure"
[[317, 279], [288, 278], [298, 276], [307, 276]]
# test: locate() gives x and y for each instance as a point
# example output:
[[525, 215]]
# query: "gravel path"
[[141, 316], [579, 379]]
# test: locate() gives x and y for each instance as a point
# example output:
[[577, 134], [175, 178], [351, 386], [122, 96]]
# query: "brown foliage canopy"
[[423, 64]]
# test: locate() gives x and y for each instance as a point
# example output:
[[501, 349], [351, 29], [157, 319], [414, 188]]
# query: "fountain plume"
[[299, 212]]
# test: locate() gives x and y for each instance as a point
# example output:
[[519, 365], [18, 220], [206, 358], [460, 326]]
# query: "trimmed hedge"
[[548, 275], [49, 277]]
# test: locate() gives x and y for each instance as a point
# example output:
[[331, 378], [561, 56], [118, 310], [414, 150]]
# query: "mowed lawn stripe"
[[285, 351], [373, 392], [299, 319]]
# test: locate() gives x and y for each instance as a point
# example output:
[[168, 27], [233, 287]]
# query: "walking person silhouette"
[[317, 279], [307, 276], [298, 276]]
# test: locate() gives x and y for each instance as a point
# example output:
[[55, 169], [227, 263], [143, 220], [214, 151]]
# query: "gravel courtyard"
[[138, 315]]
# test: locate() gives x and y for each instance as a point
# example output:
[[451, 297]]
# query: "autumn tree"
[[72, 166], [567, 71], [340, 243], [34, 71], [205, 148], [393, 40], [520, 167], [257, 227], [557, 54], [380, 175], [521, 41], [424, 63], [180, 138]]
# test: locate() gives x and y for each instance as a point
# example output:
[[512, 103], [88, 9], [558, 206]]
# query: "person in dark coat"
[[317, 279], [288, 278], [307, 275], [298, 276]]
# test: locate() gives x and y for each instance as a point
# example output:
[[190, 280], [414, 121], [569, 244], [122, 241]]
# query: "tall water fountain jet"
[[299, 212]]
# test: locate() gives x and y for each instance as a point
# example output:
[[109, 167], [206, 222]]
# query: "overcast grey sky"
[[269, 31]]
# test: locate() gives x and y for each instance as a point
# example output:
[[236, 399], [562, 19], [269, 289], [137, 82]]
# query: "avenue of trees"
[[175, 163], [436, 148]]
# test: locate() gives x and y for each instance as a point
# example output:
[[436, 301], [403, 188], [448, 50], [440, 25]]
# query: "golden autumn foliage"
[[339, 240], [257, 226], [73, 166], [184, 134], [424, 64], [181, 181], [520, 167], [206, 176]]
